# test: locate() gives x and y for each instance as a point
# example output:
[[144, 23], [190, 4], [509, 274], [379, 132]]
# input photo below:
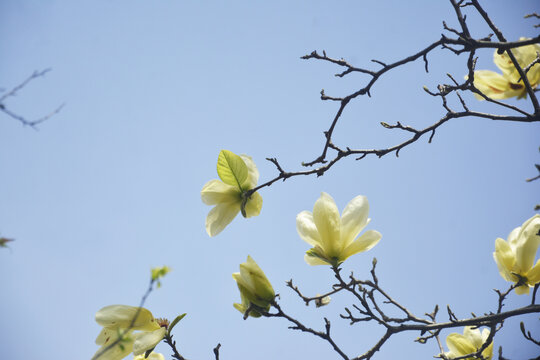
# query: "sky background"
[[110, 186]]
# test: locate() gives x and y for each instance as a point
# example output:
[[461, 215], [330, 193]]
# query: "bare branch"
[[13, 92]]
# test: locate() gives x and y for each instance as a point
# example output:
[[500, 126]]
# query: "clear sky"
[[154, 90]]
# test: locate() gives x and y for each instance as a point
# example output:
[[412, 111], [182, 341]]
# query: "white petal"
[[354, 219], [221, 216], [306, 228], [217, 192], [145, 341]]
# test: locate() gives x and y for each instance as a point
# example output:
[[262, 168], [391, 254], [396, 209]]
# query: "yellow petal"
[[328, 222], [152, 356], [217, 192], [306, 228], [258, 280], [253, 173], [522, 290], [513, 237], [221, 216], [121, 316], [459, 344], [314, 260], [365, 242], [247, 293], [524, 55], [488, 352], [474, 336], [494, 85], [354, 219], [505, 259], [533, 276], [147, 340], [527, 244], [115, 353], [107, 336], [254, 205]]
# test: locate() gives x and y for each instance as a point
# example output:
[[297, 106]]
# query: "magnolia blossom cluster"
[[334, 237], [127, 329], [509, 83]]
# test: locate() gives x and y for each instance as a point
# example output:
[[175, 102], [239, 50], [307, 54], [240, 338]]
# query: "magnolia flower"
[[119, 327], [470, 342], [254, 288], [334, 238], [515, 257], [238, 174], [509, 83]]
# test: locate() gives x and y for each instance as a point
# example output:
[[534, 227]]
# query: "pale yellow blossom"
[[470, 342], [515, 257], [334, 238], [254, 286], [509, 83], [137, 336], [238, 174]]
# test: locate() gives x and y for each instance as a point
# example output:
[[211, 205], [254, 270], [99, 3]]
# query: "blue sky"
[[154, 90]]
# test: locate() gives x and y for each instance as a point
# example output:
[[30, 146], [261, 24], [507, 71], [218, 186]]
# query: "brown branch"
[[527, 334], [307, 299], [216, 351], [13, 92], [172, 344], [325, 335]]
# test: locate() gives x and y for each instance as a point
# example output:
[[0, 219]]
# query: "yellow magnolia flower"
[[508, 84], [468, 343], [254, 288], [238, 174], [515, 257], [334, 238], [118, 325]]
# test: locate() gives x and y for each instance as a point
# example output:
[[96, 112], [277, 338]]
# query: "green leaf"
[[231, 169], [175, 321]]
